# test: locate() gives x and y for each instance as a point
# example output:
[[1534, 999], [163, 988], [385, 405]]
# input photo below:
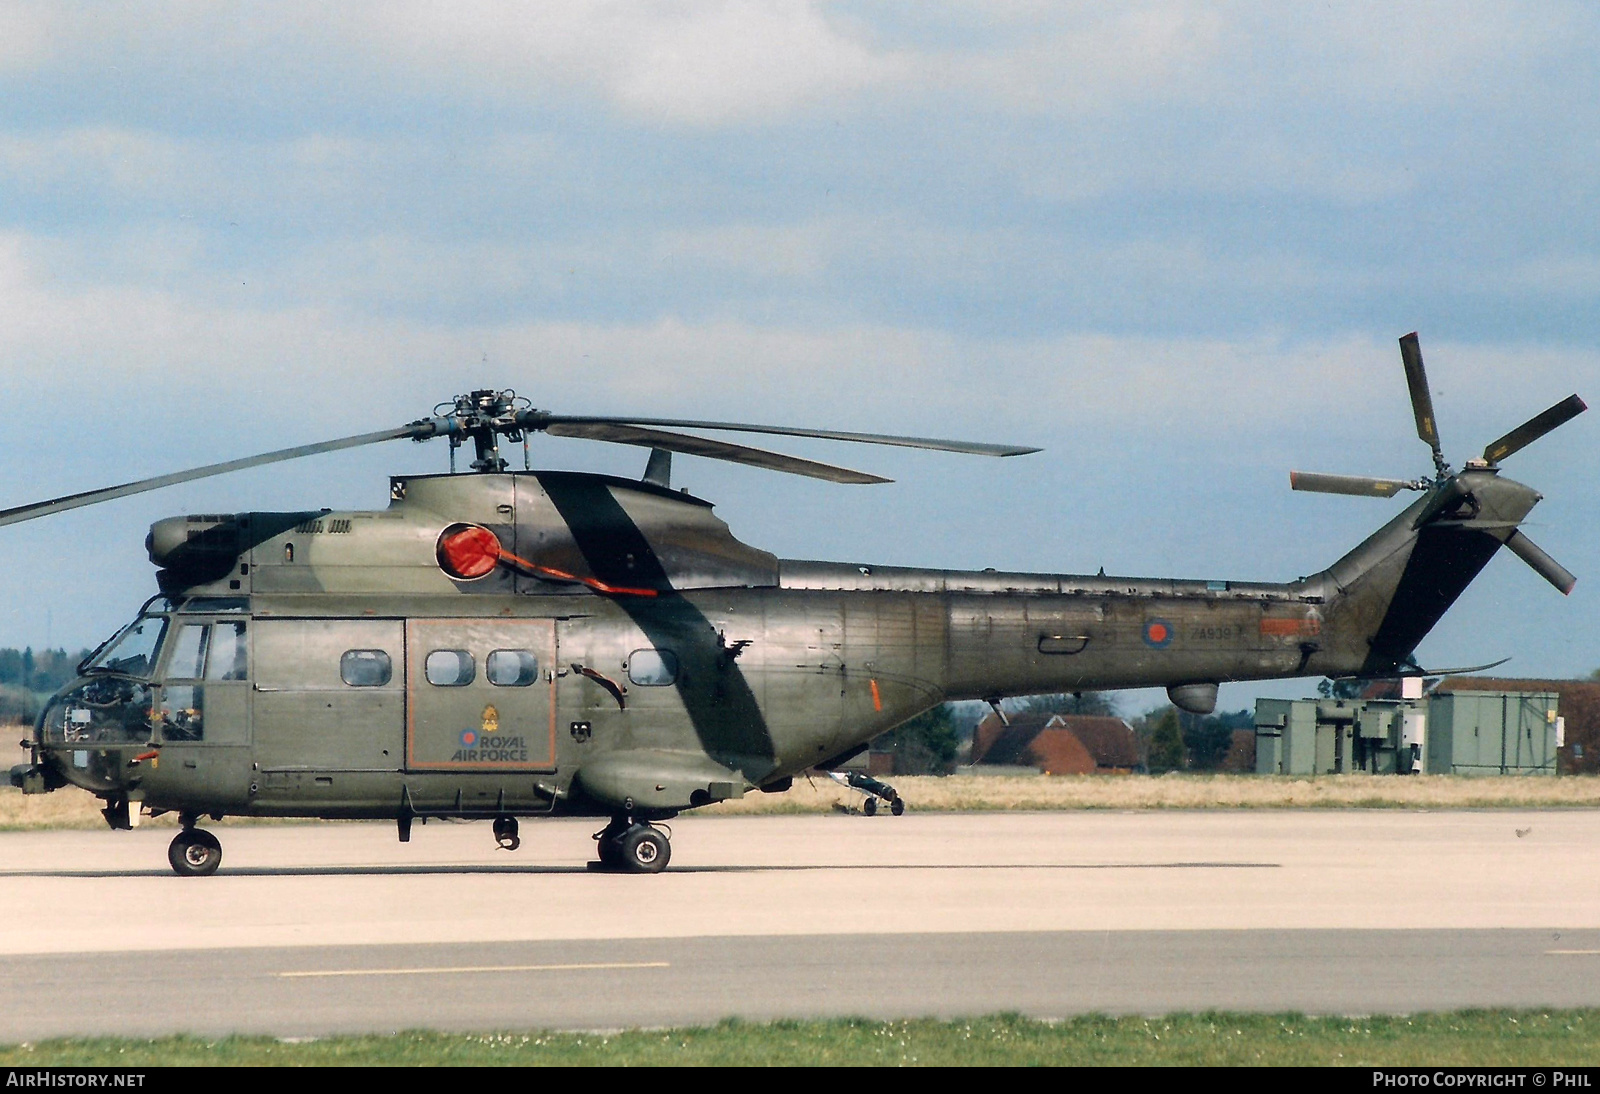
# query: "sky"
[[1172, 244]]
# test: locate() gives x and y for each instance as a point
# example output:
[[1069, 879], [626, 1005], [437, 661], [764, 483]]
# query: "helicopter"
[[504, 645]]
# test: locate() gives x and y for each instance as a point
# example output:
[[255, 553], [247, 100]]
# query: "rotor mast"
[[484, 415]]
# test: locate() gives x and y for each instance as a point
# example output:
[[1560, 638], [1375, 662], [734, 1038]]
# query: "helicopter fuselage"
[[504, 645]]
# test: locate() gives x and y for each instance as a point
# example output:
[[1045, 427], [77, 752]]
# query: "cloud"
[[24, 38], [134, 337], [695, 64], [1083, 60], [1086, 60]]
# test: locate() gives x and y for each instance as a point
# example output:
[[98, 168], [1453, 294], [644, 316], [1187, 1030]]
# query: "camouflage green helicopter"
[[503, 645]]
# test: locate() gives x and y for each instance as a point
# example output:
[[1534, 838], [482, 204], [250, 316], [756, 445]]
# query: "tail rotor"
[[1452, 492]]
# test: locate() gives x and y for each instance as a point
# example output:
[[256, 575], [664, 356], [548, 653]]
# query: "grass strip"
[[994, 793], [1475, 1038], [71, 808]]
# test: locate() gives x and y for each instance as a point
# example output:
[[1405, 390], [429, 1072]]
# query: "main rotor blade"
[[1534, 428], [601, 430], [1543, 565], [93, 497], [1347, 484], [540, 420], [1421, 399]]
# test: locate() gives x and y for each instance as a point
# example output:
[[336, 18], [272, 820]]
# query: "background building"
[[1058, 744]]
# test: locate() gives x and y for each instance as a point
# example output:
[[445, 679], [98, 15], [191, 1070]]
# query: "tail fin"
[[1387, 594]]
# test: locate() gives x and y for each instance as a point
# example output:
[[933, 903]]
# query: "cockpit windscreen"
[[134, 651]]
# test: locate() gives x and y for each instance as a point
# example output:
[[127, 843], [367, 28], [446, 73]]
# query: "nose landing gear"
[[632, 846]]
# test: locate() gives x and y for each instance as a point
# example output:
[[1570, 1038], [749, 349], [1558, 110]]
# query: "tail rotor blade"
[[1534, 428], [1356, 485], [1542, 564], [1421, 398]]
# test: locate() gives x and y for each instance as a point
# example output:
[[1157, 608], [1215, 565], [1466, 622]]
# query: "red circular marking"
[[470, 552], [1158, 633]]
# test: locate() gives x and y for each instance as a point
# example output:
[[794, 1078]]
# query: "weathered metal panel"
[[306, 717], [482, 724]]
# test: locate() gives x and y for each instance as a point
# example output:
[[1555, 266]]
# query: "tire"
[[644, 850], [869, 807], [194, 852], [898, 807]]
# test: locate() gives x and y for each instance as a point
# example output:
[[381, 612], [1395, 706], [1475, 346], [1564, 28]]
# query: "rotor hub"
[[483, 415]]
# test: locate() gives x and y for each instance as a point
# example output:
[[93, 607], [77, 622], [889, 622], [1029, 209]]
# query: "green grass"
[[1534, 1038]]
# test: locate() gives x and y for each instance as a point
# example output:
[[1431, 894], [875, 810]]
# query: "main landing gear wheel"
[[633, 846], [644, 850], [869, 807], [194, 852]]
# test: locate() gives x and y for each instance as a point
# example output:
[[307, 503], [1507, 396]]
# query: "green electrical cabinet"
[[1492, 733], [1463, 733]]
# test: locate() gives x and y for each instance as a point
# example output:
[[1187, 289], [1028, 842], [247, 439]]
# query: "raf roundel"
[[1158, 633], [468, 551]]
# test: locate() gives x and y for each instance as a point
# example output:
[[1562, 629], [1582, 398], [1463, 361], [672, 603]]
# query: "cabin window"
[[652, 668], [365, 668], [450, 668], [229, 658], [188, 660], [512, 668]]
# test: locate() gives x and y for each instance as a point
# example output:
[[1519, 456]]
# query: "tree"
[[1164, 749], [1207, 739], [1066, 702], [27, 677], [926, 745]]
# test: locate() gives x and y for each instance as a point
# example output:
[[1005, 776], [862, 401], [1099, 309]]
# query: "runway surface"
[[311, 929]]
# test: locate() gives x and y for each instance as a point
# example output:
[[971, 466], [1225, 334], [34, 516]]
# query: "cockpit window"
[[134, 650], [188, 660], [230, 654], [216, 604]]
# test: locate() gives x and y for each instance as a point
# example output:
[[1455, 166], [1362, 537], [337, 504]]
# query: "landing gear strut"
[[632, 846], [194, 852]]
